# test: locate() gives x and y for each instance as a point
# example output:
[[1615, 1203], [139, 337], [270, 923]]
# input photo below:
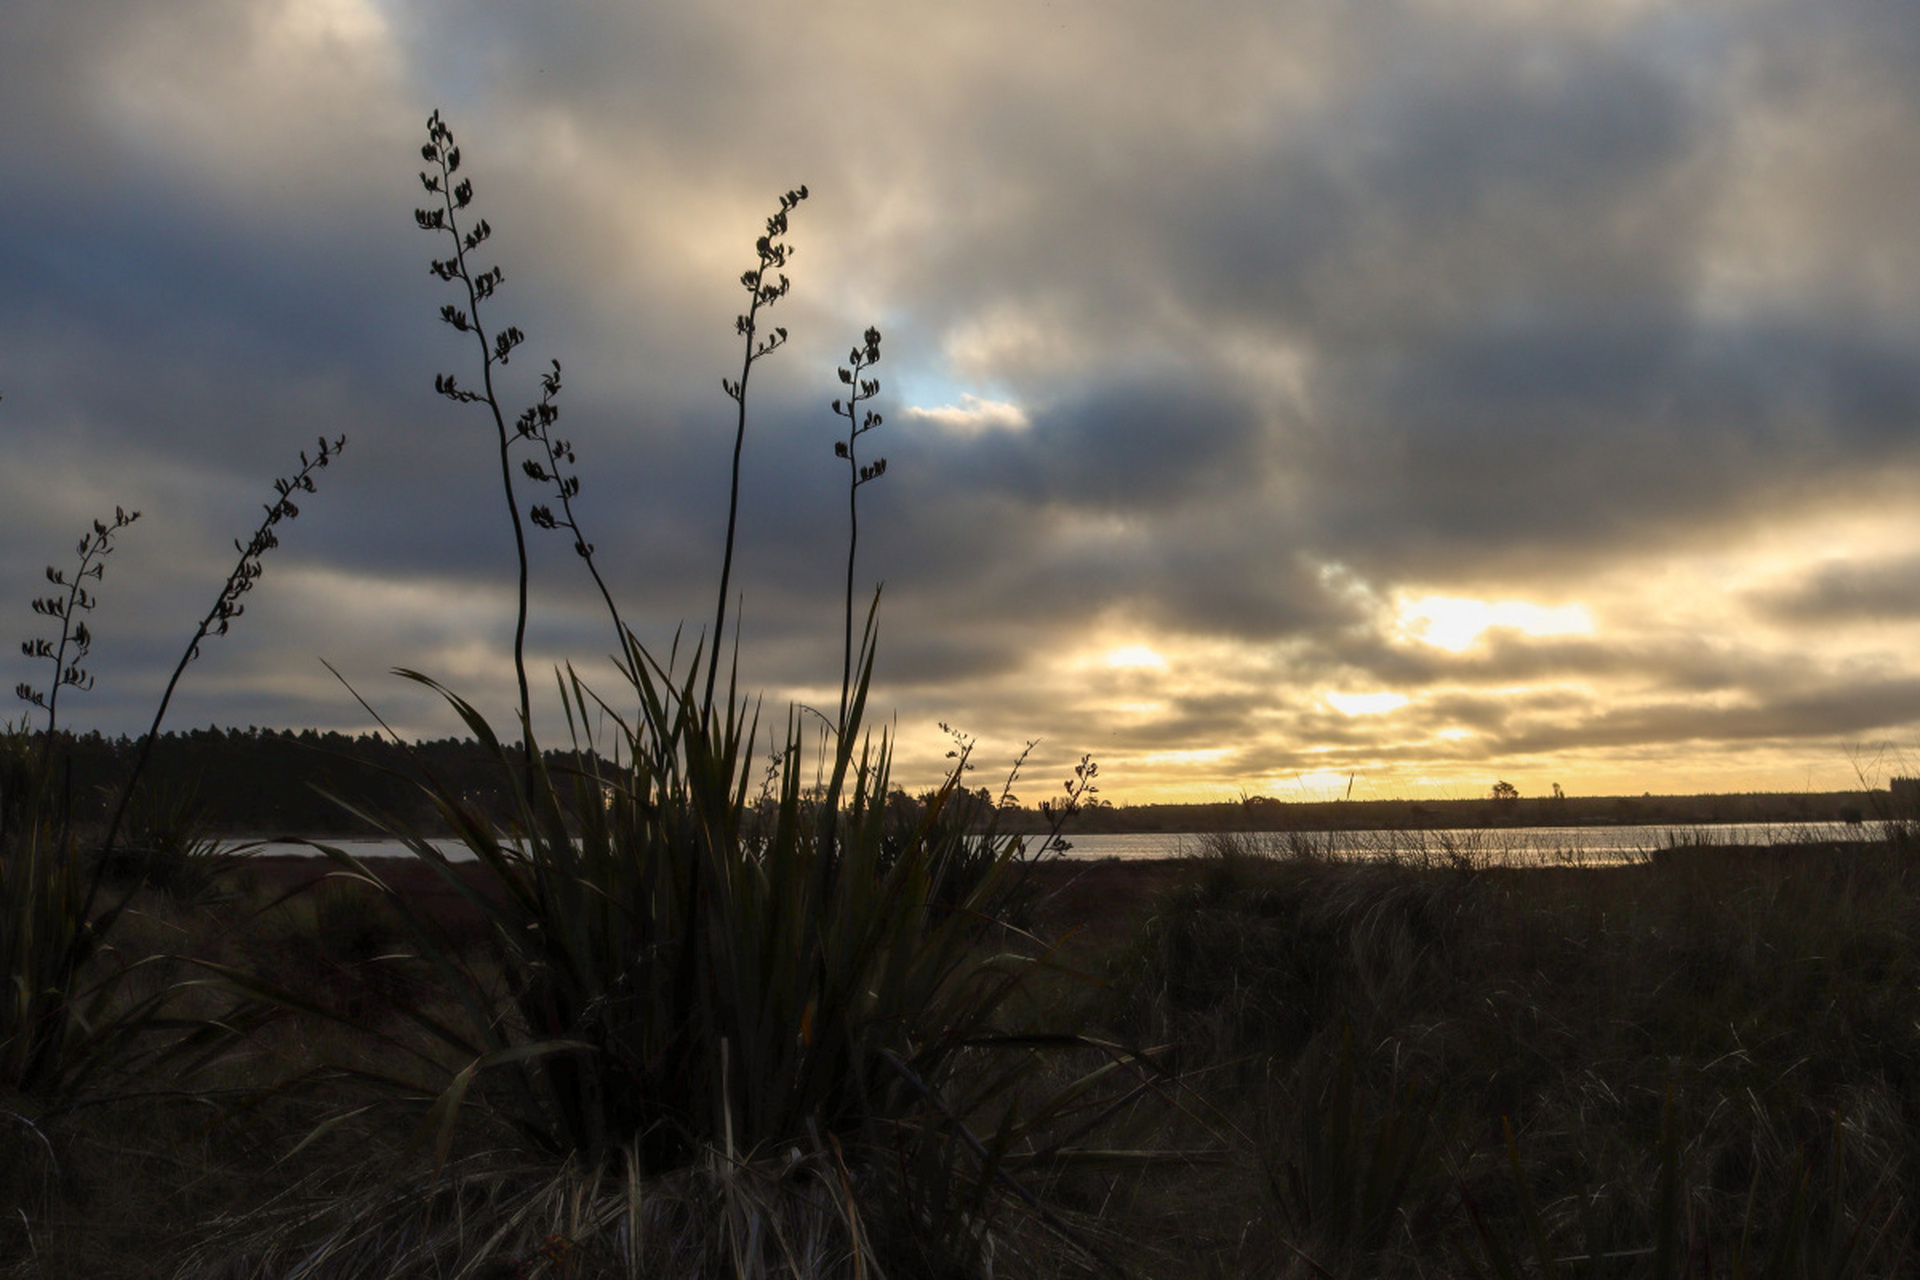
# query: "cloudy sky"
[[1278, 395]]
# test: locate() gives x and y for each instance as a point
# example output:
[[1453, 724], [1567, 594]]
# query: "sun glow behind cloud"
[[1366, 704], [1423, 692], [323, 72], [1454, 623], [1135, 655]]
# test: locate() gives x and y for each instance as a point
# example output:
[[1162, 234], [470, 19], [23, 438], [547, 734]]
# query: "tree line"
[[265, 782]]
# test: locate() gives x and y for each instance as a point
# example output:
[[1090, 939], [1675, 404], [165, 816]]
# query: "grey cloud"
[[1843, 591], [1849, 711]]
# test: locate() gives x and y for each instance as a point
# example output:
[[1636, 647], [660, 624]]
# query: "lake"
[[1491, 846]]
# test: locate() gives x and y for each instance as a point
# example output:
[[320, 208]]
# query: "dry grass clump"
[[496, 1216]]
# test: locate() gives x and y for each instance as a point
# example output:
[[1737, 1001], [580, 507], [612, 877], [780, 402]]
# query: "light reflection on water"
[[1479, 846]]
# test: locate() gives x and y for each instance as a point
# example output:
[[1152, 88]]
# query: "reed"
[[228, 605]]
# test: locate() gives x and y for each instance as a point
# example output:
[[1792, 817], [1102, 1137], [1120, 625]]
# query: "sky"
[[1286, 398]]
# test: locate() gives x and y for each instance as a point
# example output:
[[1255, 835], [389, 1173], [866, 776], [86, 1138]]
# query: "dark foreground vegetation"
[[1706, 1064]]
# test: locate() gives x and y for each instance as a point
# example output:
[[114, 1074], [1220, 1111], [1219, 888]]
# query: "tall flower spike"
[[536, 424], [496, 348], [859, 360], [68, 604], [762, 293], [246, 572]]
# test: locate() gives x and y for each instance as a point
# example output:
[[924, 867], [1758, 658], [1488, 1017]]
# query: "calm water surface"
[[1496, 846], [1502, 846]]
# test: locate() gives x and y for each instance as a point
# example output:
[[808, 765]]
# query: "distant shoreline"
[[1262, 814], [253, 783]]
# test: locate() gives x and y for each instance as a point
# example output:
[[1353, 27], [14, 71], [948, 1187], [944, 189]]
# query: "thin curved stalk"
[[220, 617]]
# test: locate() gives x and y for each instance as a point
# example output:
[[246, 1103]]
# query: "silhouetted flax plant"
[[496, 347], [228, 605], [677, 974], [860, 390], [75, 640], [762, 294], [48, 935], [64, 1021], [536, 424]]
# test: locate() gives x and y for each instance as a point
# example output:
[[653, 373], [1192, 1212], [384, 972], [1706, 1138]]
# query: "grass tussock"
[[493, 1216]]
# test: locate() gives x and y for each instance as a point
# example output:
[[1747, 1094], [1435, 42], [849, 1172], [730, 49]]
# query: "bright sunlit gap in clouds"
[[954, 400], [972, 416], [1366, 704], [1135, 655], [1455, 623]]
